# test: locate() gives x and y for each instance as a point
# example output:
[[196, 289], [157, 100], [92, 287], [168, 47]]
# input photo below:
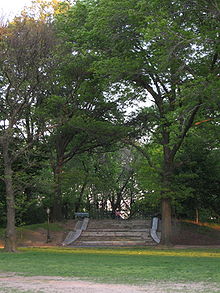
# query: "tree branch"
[[157, 98], [185, 130], [146, 155]]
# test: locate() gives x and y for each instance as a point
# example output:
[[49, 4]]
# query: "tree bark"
[[57, 214], [79, 199], [197, 215], [166, 232], [10, 237]]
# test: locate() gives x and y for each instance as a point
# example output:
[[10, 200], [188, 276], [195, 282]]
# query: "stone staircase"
[[104, 233]]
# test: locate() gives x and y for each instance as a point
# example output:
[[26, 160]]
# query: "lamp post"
[[48, 225]]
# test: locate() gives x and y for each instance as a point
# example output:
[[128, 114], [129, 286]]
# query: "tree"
[[25, 58], [165, 52], [100, 182], [82, 123], [199, 172], [79, 114], [113, 184]]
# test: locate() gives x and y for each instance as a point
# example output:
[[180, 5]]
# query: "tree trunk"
[[57, 214], [10, 237], [166, 232], [197, 215], [79, 199]]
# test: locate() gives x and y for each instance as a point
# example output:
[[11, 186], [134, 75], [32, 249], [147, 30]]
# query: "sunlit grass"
[[145, 252], [214, 226], [133, 266]]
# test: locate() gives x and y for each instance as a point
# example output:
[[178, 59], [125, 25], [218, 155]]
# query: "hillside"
[[184, 233], [190, 233]]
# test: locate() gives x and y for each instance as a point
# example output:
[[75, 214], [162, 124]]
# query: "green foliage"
[[100, 182], [2, 232], [200, 172]]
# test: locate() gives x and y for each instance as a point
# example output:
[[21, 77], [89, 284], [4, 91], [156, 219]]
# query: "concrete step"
[[115, 233], [119, 238], [113, 243], [136, 234], [118, 227], [111, 228], [117, 230], [119, 223]]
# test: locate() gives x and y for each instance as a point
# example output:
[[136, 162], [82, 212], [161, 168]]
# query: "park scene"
[[110, 146]]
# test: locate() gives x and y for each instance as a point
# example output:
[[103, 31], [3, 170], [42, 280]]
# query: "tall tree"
[[80, 115], [82, 122], [166, 52], [25, 57], [200, 172]]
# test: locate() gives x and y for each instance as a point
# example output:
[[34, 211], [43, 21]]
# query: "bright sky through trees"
[[12, 7]]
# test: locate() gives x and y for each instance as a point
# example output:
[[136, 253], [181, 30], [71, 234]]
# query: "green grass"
[[34, 227], [130, 266]]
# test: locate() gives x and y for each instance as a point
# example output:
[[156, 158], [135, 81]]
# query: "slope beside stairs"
[[102, 233]]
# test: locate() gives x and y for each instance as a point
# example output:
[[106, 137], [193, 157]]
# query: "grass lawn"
[[128, 266]]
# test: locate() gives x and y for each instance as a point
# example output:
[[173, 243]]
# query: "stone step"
[[112, 238], [114, 243], [125, 223], [89, 233], [117, 230], [115, 233], [120, 227], [120, 220]]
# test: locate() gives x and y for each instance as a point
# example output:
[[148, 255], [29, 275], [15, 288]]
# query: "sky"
[[10, 8]]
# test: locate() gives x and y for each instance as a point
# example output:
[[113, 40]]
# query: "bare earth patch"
[[10, 282]]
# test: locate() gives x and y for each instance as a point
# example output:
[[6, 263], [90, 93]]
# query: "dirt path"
[[10, 282]]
